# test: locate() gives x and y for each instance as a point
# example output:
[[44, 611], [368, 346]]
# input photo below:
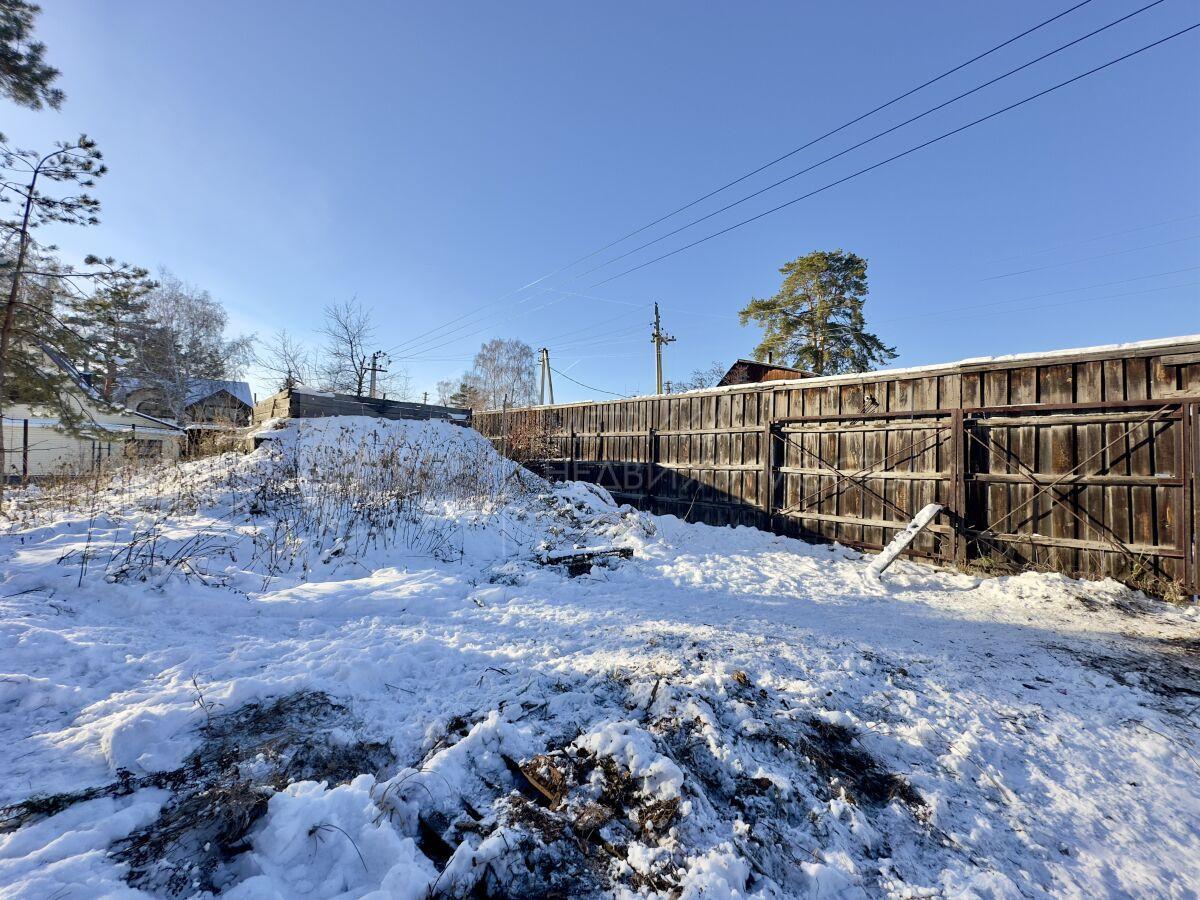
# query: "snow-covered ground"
[[336, 668]]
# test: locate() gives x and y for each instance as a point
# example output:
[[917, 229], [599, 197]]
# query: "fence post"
[[504, 427], [767, 449], [25, 451], [651, 467], [572, 458], [1190, 473], [958, 486]]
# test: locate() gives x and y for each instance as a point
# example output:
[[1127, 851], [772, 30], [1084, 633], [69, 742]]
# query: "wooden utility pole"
[[547, 377], [658, 338]]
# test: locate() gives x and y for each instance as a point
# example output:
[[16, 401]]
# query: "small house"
[[36, 445], [207, 401], [751, 371]]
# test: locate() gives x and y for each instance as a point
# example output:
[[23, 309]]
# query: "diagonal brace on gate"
[[845, 479], [1048, 489]]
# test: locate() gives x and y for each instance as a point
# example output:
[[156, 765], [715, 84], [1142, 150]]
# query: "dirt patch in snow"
[[630, 801], [223, 788]]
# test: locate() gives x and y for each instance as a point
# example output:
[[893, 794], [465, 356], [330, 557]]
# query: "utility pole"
[[658, 338], [547, 377], [375, 368]]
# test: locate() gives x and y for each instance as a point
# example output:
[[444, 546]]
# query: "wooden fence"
[[299, 403], [1083, 462]]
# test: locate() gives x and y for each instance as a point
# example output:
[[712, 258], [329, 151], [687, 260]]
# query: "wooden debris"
[[580, 562], [546, 778], [658, 816], [901, 541]]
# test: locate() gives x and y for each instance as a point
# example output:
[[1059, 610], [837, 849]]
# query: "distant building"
[[751, 371], [208, 402], [36, 446]]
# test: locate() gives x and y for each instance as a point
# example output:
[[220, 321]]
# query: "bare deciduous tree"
[[346, 356], [702, 378], [286, 359]]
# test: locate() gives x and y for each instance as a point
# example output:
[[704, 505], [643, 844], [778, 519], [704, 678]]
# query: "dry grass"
[[285, 510]]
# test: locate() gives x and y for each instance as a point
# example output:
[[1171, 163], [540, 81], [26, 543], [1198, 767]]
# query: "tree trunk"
[[6, 329]]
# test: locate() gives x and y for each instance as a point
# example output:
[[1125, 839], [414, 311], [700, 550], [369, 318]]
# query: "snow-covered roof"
[[202, 388], [91, 393], [70, 371], [198, 389]]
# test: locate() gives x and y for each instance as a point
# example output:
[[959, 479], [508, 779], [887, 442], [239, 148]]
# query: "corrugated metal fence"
[[1083, 462]]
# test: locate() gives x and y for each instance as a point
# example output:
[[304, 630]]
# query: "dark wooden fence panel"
[[1083, 462], [303, 404]]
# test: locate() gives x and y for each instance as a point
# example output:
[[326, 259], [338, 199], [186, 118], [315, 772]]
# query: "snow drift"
[[338, 667]]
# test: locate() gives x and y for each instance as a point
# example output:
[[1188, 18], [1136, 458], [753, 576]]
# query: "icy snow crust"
[[726, 714]]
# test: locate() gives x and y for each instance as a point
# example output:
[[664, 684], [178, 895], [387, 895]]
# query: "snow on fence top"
[[1050, 357]]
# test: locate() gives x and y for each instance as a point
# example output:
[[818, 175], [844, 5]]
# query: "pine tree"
[[112, 320], [31, 280], [816, 320], [467, 395], [39, 358], [24, 76]]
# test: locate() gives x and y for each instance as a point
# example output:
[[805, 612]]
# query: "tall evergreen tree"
[[112, 320], [45, 188], [25, 77], [815, 321]]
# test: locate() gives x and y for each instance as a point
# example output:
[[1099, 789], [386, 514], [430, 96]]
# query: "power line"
[[872, 138], [428, 349], [416, 339], [588, 386], [828, 134], [1068, 262], [1090, 240], [1087, 287], [900, 155]]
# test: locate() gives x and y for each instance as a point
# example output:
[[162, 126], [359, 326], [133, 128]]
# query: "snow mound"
[[323, 498]]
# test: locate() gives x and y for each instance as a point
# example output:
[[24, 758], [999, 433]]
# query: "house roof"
[[70, 371], [756, 370], [200, 389], [91, 393]]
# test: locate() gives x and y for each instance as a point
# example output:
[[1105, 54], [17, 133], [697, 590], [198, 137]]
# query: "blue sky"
[[430, 158]]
